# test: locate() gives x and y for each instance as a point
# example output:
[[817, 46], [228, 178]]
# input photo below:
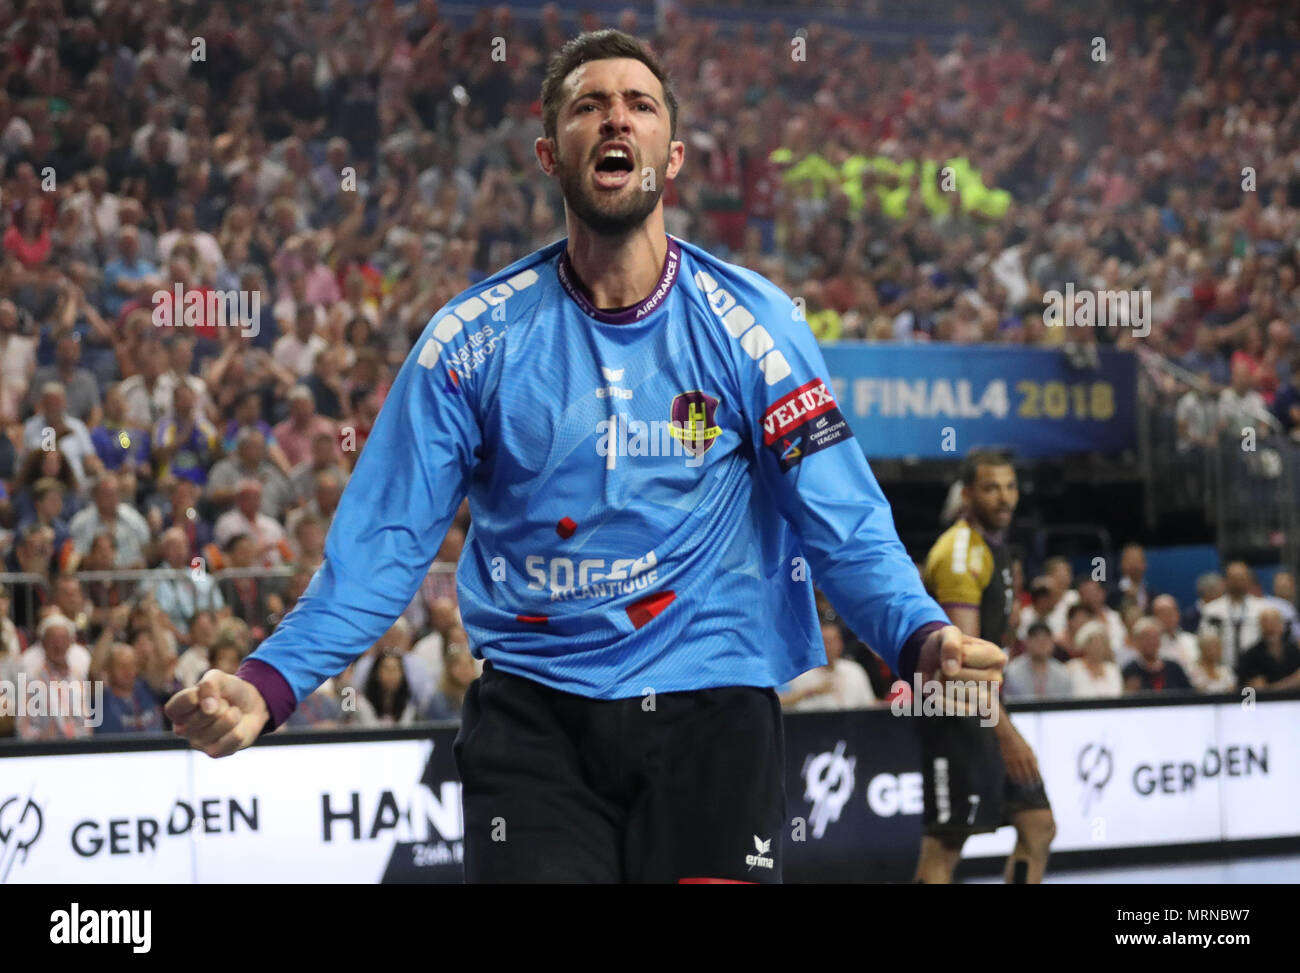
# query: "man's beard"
[[609, 218], [988, 519]]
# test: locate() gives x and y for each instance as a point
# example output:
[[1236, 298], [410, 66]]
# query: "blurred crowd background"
[[165, 491]]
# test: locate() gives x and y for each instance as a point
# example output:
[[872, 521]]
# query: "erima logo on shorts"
[[761, 860], [739, 322]]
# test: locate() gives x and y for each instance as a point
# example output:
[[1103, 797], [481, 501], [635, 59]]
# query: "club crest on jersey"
[[692, 421]]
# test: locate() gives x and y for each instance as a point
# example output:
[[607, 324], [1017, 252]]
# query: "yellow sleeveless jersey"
[[964, 568]]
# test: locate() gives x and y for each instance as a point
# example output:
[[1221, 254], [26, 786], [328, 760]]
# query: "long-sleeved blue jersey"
[[651, 490]]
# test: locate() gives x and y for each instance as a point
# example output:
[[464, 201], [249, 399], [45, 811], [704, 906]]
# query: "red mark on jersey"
[[644, 609]]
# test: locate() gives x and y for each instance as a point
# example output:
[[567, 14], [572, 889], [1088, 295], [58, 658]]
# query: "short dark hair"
[[308, 520], [44, 486], [1075, 609], [1037, 626], [224, 641], [598, 45], [982, 457], [222, 644]]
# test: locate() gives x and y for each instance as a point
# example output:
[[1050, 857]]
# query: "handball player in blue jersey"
[[656, 472]]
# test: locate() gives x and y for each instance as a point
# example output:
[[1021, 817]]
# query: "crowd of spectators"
[[347, 169], [1081, 640], [1084, 639]]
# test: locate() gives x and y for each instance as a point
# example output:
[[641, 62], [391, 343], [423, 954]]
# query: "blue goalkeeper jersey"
[[652, 492]]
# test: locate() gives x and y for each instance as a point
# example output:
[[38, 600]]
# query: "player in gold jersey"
[[978, 778]]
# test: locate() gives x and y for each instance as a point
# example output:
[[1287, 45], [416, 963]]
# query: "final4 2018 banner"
[[937, 401]]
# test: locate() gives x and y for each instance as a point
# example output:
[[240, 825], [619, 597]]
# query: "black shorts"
[[676, 787], [965, 783]]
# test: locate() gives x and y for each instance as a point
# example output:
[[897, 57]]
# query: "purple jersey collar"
[[635, 312]]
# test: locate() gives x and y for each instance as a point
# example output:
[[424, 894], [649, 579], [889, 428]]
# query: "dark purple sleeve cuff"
[[911, 650], [275, 689]]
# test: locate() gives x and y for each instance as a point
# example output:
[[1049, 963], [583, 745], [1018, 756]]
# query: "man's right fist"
[[219, 715]]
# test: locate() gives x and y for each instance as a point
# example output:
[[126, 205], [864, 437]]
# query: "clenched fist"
[[951, 656], [220, 715]]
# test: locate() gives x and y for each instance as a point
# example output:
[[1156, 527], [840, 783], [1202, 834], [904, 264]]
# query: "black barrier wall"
[[1135, 779]]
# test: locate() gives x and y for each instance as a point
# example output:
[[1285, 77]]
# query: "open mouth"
[[614, 167]]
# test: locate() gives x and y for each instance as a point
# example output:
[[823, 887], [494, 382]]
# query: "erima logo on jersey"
[[465, 360], [739, 322], [761, 860], [612, 391]]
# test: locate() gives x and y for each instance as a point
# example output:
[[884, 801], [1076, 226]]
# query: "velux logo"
[[761, 860], [804, 403]]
